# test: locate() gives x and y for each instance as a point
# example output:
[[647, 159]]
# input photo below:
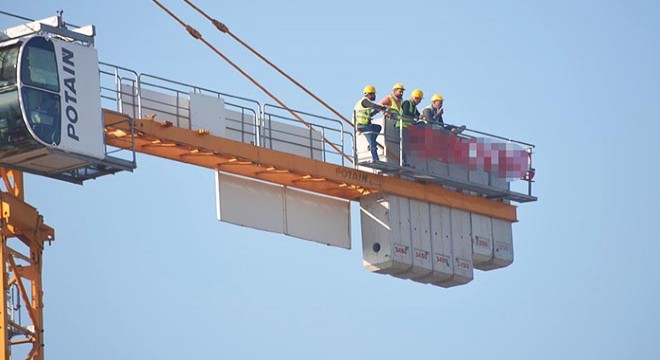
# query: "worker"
[[433, 113], [393, 101], [363, 111], [409, 112]]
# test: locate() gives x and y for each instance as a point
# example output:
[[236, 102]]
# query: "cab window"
[[39, 66], [8, 61], [14, 136], [43, 114]]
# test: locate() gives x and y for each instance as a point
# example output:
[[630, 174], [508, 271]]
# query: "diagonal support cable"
[[223, 28], [198, 36]]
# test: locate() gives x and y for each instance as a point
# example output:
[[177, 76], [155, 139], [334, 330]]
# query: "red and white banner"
[[502, 159]]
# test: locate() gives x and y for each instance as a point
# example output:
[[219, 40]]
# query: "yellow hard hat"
[[369, 89], [436, 97], [417, 93], [397, 86]]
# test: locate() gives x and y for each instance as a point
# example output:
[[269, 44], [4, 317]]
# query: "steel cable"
[[223, 28], [197, 35]]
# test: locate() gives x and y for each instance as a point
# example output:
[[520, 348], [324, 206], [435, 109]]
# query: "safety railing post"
[[118, 97], [529, 172], [311, 142], [401, 162], [139, 95], [355, 156], [323, 148], [178, 107], [341, 142], [243, 125], [255, 127]]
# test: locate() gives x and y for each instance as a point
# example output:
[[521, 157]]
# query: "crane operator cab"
[[50, 103]]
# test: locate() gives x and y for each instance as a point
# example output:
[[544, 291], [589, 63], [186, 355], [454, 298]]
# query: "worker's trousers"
[[371, 131]]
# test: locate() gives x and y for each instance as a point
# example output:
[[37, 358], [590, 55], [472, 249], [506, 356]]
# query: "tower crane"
[[66, 116]]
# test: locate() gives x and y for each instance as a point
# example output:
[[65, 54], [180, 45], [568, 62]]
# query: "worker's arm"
[[372, 105], [432, 115]]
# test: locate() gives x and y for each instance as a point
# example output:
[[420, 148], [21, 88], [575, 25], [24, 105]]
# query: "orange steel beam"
[[5, 340], [22, 221], [13, 181], [160, 138]]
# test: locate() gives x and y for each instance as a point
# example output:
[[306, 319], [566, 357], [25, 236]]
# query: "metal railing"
[[246, 120], [466, 134], [528, 176], [320, 139], [269, 126], [111, 79], [241, 116]]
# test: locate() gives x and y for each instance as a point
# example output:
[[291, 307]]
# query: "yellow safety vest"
[[361, 114], [395, 110], [407, 119]]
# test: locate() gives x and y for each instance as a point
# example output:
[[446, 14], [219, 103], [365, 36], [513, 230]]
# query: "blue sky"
[[141, 268]]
